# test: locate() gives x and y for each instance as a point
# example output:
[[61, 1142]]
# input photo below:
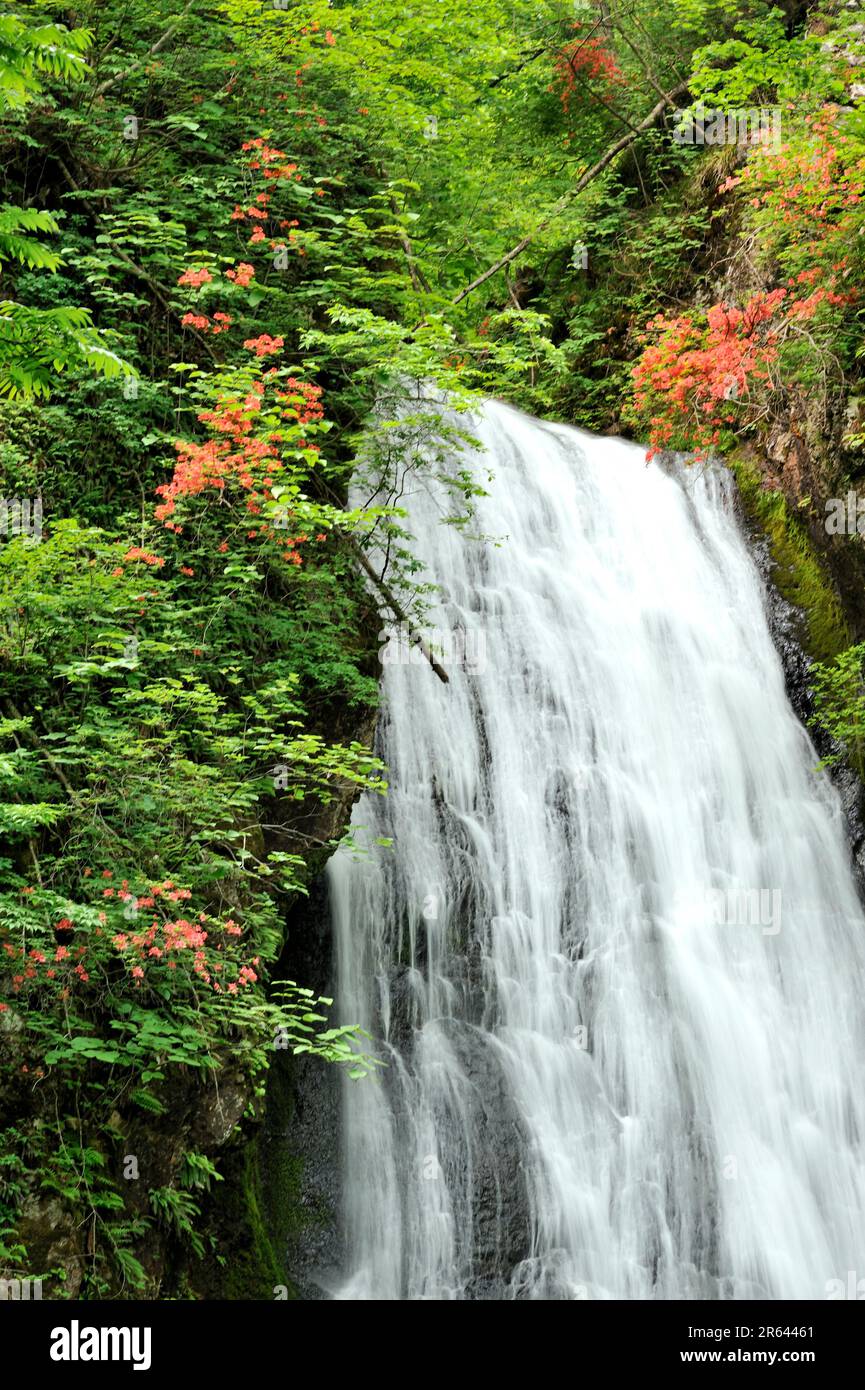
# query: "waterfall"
[[613, 959]]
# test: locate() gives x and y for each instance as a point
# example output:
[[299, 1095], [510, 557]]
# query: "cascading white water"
[[614, 959]]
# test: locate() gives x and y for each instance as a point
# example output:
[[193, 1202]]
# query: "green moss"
[[287, 1216], [256, 1214], [799, 573], [266, 1264], [246, 1263]]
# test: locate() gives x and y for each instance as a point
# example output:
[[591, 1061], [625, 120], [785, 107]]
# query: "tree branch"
[[133, 67], [642, 61], [583, 180], [393, 602], [418, 279], [30, 733], [160, 291]]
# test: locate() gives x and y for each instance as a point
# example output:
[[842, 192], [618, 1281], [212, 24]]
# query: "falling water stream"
[[614, 960]]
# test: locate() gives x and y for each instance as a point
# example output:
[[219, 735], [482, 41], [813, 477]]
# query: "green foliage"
[[177, 1210], [197, 1171], [762, 63], [216, 316], [27, 53], [16, 246], [839, 705], [35, 345]]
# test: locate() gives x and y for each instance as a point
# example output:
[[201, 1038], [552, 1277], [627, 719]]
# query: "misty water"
[[614, 958]]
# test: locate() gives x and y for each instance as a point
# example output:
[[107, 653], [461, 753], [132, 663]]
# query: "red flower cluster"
[[195, 278], [203, 948], [688, 374], [806, 204], [274, 166], [304, 400], [264, 345], [587, 59], [146, 556], [220, 323], [166, 944], [806, 199], [809, 184], [32, 961], [236, 455], [242, 275]]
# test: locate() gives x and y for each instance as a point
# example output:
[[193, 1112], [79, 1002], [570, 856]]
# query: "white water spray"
[[614, 960]]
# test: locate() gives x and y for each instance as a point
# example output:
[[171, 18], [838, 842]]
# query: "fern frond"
[[27, 52], [36, 344]]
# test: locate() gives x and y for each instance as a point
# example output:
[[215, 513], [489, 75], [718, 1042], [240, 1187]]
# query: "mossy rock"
[[800, 574]]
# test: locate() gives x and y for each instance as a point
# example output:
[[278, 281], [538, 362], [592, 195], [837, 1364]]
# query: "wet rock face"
[[805, 470], [501, 1214], [309, 1136], [54, 1243], [302, 1137], [785, 626]]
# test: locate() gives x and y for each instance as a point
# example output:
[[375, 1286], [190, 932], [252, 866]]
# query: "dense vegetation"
[[244, 247]]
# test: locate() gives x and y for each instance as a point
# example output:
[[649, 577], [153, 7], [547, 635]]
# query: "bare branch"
[[154, 48], [567, 198], [393, 603]]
